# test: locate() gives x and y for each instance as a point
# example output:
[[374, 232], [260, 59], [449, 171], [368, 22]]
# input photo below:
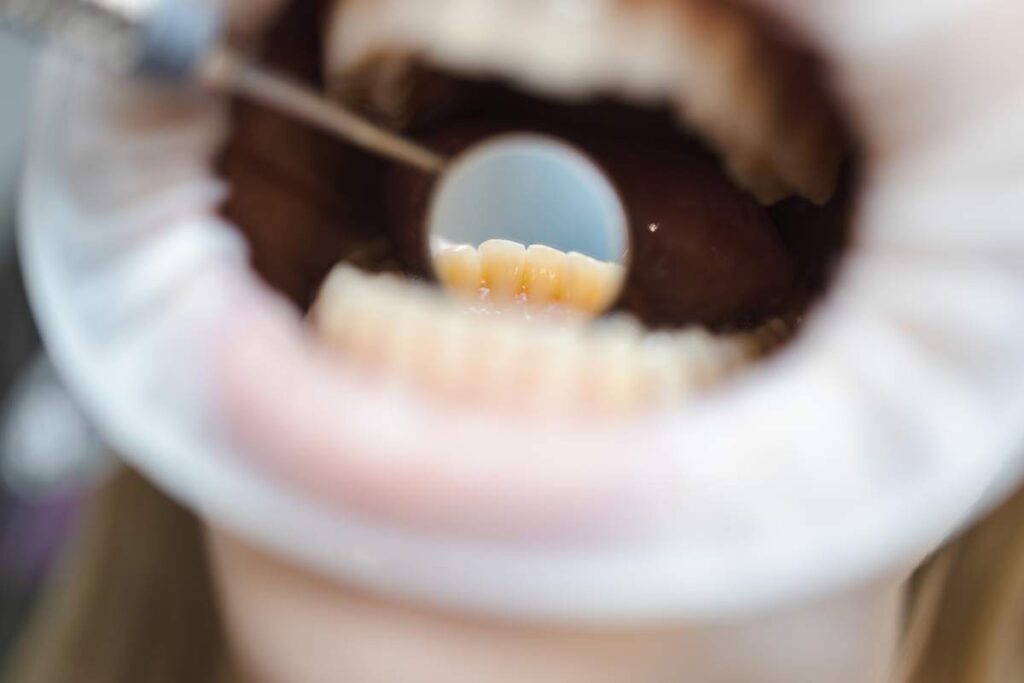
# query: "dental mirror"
[[517, 218], [527, 218]]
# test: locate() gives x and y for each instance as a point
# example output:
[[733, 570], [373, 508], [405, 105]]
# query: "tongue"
[[703, 251]]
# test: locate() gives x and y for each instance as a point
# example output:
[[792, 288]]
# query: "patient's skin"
[[287, 624], [133, 604]]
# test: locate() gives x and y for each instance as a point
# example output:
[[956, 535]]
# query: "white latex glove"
[[837, 466]]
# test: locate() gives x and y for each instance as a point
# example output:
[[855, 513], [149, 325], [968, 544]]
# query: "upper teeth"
[[400, 327], [706, 59]]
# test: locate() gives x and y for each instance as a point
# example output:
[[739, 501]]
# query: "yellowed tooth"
[[665, 382], [609, 278], [580, 288], [408, 349], [502, 268], [614, 377], [327, 314], [458, 267], [545, 274], [704, 365], [555, 382], [451, 335], [494, 361], [591, 285], [356, 323]]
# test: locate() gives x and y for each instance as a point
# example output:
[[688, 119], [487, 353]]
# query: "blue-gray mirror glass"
[[532, 190]]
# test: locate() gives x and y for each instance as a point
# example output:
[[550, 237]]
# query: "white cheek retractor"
[[772, 523]]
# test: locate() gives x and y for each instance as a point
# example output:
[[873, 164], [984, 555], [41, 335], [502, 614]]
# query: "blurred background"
[[40, 469], [18, 342]]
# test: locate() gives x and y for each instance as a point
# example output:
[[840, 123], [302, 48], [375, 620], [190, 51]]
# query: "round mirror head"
[[528, 219]]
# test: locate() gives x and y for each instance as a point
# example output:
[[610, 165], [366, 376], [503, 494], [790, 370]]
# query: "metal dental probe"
[[178, 41]]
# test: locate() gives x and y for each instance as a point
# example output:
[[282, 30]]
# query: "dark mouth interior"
[[716, 257]]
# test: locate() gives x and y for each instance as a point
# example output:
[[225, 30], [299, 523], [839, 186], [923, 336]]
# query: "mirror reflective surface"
[[528, 219]]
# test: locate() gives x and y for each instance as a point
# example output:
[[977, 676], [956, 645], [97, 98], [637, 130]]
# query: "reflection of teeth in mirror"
[[502, 268], [545, 274], [610, 366], [506, 271], [458, 267], [591, 285]]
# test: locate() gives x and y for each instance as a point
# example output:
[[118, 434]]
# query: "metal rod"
[[228, 71]]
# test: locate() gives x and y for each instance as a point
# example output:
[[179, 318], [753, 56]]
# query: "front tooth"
[[545, 274], [702, 363], [451, 334], [610, 277], [579, 285], [665, 382], [591, 285], [495, 360], [616, 379], [556, 380], [502, 268], [458, 267]]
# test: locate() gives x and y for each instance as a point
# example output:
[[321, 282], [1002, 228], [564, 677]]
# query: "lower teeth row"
[[397, 327]]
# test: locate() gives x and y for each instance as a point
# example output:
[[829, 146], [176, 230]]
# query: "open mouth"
[[731, 161]]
